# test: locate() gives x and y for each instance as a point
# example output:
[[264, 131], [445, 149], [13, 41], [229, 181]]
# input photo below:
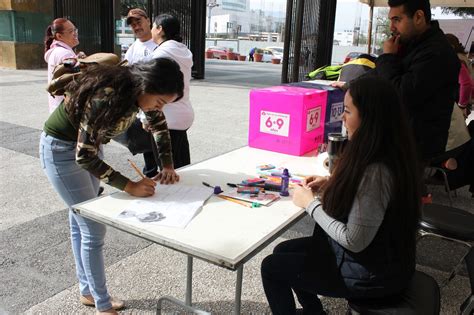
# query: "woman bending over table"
[[98, 106]]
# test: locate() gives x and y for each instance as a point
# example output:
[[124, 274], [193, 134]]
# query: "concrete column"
[[22, 45]]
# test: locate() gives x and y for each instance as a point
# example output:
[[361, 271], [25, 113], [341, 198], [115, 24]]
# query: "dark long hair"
[[170, 25], [158, 76], [382, 137], [56, 27], [454, 42]]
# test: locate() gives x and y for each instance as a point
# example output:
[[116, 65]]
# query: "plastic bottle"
[[285, 180]]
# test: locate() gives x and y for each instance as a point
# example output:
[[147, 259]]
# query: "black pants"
[[180, 148], [293, 267], [138, 140], [464, 174]]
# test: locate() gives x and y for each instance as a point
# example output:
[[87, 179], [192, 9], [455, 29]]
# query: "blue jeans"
[[74, 184]]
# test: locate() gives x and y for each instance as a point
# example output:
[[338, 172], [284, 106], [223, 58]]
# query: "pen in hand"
[[136, 168]]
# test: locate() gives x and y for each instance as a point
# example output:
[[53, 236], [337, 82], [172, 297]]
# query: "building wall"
[[39, 6], [21, 55], [344, 38], [231, 6], [22, 26]]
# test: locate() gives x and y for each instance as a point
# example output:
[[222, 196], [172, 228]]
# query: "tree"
[[362, 39], [126, 5], [381, 28], [463, 12]]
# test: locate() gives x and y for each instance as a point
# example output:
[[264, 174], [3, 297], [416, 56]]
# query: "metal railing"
[[95, 21], [309, 32], [192, 15]]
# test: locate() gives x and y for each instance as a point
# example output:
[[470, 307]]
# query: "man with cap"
[[136, 139], [143, 47]]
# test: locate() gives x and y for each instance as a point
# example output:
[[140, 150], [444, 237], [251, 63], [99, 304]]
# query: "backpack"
[[325, 73], [356, 67], [71, 68]]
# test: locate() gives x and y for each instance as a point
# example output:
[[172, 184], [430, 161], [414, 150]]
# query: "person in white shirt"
[[137, 139], [180, 114], [143, 47]]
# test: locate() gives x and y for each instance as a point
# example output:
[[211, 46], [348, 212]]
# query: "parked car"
[[270, 53], [356, 54], [217, 51], [276, 51]]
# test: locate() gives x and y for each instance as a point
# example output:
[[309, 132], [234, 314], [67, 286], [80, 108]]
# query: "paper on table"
[[171, 205]]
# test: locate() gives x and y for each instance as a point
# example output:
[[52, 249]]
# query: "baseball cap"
[[135, 14]]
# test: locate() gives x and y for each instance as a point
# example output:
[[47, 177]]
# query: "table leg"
[[180, 303], [189, 291], [238, 290], [189, 281]]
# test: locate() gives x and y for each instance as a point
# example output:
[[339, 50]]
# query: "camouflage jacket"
[[87, 154]]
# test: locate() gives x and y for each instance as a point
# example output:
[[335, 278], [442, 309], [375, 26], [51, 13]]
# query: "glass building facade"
[[23, 27], [235, 5]]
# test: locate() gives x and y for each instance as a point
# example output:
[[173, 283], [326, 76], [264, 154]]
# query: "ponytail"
[[48, 38]]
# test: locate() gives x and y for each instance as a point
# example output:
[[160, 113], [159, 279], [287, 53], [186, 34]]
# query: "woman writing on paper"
[[366, 213], [101, 104]]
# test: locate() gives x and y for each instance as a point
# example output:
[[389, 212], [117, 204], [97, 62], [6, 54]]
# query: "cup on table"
[[336, 143]]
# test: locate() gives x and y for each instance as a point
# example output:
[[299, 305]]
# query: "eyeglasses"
[[74, 30]]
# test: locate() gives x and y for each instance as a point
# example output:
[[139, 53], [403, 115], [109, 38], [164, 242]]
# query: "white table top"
[[224, 233]]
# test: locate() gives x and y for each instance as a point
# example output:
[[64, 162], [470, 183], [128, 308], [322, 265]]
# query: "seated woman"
[[366, 212]]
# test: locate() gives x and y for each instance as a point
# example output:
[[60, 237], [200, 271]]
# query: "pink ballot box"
[[287, 119]]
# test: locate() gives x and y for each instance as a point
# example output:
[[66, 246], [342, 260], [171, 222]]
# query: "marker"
[[217, 189], [285, 180]]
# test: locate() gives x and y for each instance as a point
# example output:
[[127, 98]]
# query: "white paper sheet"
[[171, 205]]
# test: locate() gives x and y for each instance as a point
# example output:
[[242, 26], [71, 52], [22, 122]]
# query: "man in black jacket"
[[419, 61]]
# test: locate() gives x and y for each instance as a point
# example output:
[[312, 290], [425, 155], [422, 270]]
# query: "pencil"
[[136, 169], [240, 202]]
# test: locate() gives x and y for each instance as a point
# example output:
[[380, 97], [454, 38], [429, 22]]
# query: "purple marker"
[[285, 181], [217, 189]]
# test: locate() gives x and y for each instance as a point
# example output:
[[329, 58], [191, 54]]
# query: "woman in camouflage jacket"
[[99, 105]]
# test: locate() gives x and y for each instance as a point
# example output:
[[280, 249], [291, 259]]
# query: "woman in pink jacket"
[[59, 42], [466, 84]]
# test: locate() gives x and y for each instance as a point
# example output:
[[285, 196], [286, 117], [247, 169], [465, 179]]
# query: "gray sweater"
[[366, 214]]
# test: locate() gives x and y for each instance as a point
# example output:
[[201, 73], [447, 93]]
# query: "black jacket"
[[381, 270], [426, 76]]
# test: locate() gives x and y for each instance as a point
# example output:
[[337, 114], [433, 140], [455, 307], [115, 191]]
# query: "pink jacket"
[[466, 85], [54, 56]]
